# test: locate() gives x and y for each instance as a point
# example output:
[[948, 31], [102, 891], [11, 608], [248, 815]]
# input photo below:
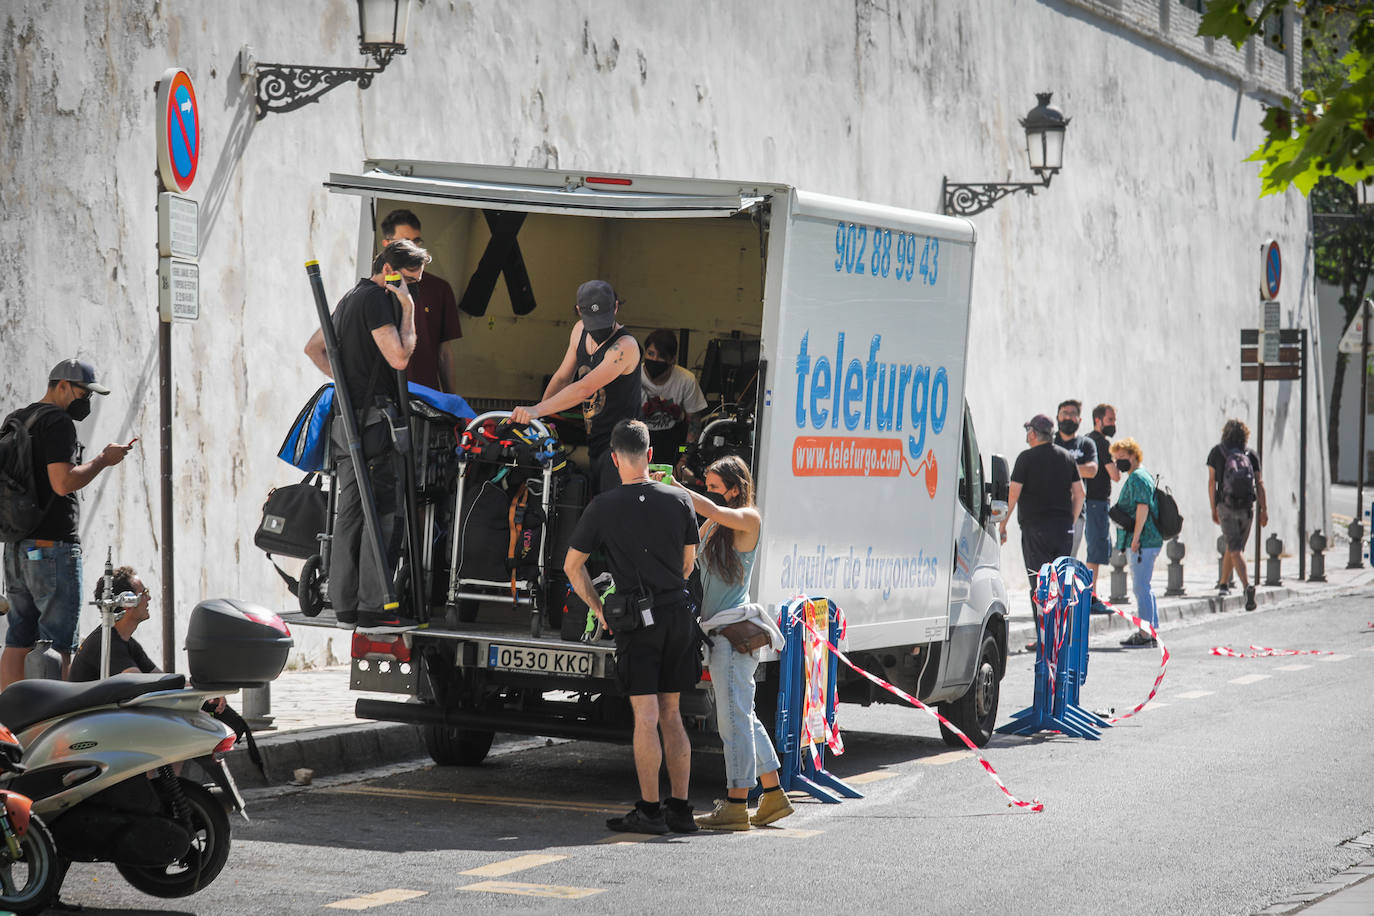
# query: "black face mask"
[[1109, 431], [79, 409], [602, 335], [656, 367], [1068, 427], [717, 498], [1123, 464]]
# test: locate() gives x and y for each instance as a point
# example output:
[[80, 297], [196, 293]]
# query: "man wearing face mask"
[[673, 400], [601, 372], [1097, 525], [43, 570], [1083, 452]]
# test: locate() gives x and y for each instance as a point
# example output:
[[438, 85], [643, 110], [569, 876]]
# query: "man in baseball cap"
[[1046, 486], [601, 371], [44, 605]]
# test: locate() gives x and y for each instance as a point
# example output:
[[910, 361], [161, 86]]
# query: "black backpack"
[[1238, 479], [20, 509], [1168, 519]]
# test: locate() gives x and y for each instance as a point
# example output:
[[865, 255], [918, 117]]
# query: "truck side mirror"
[[1000, 486]]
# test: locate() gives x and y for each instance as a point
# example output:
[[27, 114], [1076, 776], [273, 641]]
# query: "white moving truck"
[[839, 328]]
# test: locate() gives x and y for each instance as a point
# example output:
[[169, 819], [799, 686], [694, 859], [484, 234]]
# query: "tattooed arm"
[[621, 359]]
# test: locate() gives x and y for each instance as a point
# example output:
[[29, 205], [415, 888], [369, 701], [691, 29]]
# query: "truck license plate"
[[544, 661]]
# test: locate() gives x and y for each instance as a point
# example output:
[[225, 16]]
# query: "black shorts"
[[662, 658]]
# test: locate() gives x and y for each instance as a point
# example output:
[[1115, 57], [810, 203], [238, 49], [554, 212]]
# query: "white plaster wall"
[[1127, 281], [1333, 326]]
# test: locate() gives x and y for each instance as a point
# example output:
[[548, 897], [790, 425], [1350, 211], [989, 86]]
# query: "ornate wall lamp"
[[1045, 148], [285, 87]]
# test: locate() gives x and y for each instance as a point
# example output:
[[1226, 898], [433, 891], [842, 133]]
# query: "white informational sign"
[[1269, 333], [860, 475], [178, 226], [1352, 339], [178, 289]]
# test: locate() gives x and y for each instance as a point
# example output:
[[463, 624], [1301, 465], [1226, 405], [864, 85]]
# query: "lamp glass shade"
[[1035, 148], [1054, 149], [383, 22]]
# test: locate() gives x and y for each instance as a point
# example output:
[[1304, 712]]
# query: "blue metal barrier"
[[798, 769], [1061, 655]]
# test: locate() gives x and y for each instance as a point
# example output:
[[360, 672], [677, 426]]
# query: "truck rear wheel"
[[449, 746], [975, 713]]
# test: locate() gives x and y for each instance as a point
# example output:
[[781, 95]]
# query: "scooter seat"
[[25, 702]]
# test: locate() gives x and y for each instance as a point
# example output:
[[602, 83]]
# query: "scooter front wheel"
[[28, 884], [202, 862]]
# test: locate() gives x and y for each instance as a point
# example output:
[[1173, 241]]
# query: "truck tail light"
[[365, 647]]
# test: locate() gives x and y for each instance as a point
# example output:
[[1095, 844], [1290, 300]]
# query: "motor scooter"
[[103, 757], [30, 873]]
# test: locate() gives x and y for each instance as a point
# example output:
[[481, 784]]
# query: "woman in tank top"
[[729, 544]]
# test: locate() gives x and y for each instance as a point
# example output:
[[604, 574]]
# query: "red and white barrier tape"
[[1264, 652], [1163, 656], [1033, 805]]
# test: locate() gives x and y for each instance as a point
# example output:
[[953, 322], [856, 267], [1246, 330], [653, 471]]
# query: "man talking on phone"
[[375, 324], [43, 569]]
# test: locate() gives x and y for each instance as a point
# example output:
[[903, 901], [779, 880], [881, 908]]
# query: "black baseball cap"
[[596, 305], [78, 373], [1041, 424]]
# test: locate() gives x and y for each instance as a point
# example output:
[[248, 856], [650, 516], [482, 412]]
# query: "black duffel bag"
[[293, 518]]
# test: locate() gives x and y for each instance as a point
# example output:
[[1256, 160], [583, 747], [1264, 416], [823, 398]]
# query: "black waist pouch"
[[292, 519], [626, 613]]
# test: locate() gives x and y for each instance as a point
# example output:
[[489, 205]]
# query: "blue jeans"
[[44, 588], [748, 751], [1097, 531], [1142, 565]]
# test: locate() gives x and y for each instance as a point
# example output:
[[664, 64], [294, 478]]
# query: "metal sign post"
[[1287, 347], [178, 157]]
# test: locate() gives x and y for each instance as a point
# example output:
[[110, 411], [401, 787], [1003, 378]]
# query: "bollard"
[[1273, 574], [1318, 543], [1356, 532], [257, 707], [1118, 581], [1221, 562], [1175, 551]]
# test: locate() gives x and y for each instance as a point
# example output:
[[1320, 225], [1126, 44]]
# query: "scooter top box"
[[231, 645]]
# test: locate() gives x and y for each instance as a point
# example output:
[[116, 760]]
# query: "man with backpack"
[[40, 472], [1234, 486]]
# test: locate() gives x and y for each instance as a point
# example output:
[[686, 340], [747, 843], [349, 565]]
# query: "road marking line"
[[1334, 658], [1250, 679], [627, 839], [789, 833], [533, 890], [498, 800], [511, 866], [870, 776], [939, 760], [1154, 705], [1294, 667], [1193, 695], [381, 898], [1368, 649]]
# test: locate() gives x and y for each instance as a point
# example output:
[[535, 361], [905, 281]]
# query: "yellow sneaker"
[[773, 806], [725, 816]]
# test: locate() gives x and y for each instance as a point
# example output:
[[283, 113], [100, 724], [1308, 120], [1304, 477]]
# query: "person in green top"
[[1142, 540]]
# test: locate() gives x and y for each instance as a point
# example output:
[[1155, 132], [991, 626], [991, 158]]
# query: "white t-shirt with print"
[[669, 403]]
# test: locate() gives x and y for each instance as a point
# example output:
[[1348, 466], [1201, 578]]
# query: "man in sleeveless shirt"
[[601, 372]]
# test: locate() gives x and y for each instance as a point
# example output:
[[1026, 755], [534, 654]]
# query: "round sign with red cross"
[[178, 130]]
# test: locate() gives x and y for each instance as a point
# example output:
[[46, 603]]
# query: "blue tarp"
[[304, 444]]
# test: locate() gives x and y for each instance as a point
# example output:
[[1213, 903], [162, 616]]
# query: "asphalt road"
[[1235, 788]]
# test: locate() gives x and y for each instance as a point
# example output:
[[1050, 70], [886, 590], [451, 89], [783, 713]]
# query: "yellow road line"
[[939, 760], [498, 800], [511, 866], [380, 898], [870, 776], [533, 890]]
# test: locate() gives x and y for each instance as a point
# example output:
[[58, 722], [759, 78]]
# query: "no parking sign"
[[178, 130]]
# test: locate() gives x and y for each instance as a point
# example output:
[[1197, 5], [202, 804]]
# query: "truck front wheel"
[[975, 713], [463, 747]]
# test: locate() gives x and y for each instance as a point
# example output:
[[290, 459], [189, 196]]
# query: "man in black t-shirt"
[[375, 324], [649, 534], [126, 655], [43, 570], [1098, 495], [1235, 512], [1081, 449], [1045, 484]]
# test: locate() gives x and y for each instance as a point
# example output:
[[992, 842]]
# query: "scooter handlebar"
[[536, 424]]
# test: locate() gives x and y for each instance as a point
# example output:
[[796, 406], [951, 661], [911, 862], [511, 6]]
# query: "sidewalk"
[[314, 725]]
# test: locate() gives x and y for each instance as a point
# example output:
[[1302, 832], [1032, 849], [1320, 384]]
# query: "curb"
[[1171, 610], [328, 750]]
